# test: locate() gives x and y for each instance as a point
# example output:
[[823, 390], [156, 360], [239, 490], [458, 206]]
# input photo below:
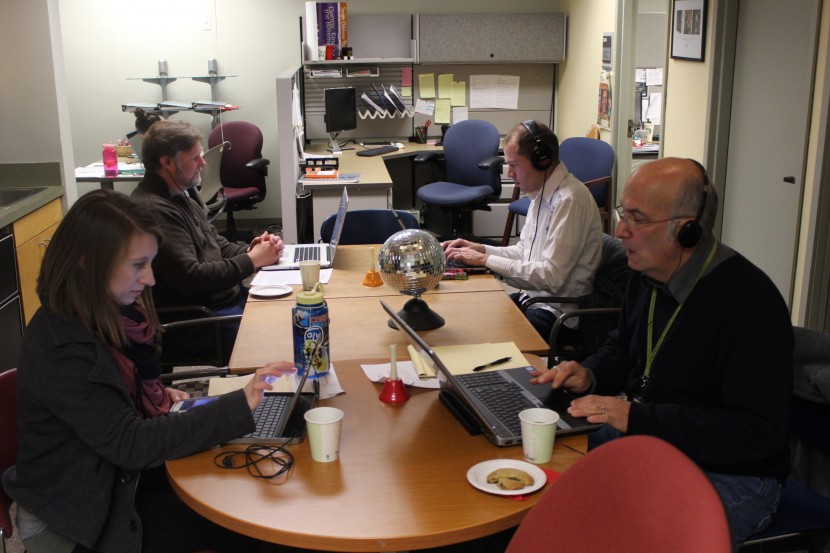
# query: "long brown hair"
[[79, 262]]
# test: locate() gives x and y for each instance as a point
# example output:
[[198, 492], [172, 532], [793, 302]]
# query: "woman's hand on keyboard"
[[260, 382]]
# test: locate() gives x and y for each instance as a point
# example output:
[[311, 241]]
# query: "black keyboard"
[[502, 397], [304, 253], [267, 415], [377, 151]]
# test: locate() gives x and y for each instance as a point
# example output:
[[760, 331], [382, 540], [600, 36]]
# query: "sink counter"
[[29, 175]]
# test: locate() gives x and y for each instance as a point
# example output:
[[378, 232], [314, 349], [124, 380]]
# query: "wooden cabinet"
[[32, 234], [492, 37]]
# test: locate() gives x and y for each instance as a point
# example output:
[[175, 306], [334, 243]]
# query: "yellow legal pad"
[[462, 359]]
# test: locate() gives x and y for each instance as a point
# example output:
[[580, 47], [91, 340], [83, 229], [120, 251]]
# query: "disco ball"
[[412, 262]]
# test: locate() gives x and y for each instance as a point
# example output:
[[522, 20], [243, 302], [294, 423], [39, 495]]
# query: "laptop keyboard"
[[304, 253], [267, 415], [503, 398]]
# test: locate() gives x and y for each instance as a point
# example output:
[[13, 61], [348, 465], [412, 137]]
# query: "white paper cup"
[[323, 424], [538, 433], [310, 273]]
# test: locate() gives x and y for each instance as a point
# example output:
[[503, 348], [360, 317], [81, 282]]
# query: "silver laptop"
[[293, 254], [279, 416], [136, 141], [489, 402]]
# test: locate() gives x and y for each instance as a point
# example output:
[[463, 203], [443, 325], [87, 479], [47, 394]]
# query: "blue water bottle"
[[310, 317]]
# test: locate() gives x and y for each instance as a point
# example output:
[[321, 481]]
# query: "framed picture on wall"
[[688, 34]]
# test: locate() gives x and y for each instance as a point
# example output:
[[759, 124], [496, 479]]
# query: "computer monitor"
[[340, 113]]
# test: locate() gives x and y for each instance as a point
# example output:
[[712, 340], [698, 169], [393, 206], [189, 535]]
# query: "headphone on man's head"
[[690, 233], [541, 158]]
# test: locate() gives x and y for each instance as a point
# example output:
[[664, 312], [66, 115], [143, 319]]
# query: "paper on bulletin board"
[[426, 85], [494, 91], [406, 76], [459, 93], [426, 107], [604, 100], [442, 110], [460, 114], [445, 85]]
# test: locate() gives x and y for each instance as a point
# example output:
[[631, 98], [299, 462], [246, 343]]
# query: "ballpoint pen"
[[492, 364]]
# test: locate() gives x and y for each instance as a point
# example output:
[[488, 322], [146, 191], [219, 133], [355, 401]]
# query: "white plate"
[[477, 476], [270, 290]]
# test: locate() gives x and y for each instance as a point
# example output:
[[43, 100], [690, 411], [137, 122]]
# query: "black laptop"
[[489, 401]]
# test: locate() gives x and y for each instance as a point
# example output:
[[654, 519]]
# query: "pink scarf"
[[139, 367]]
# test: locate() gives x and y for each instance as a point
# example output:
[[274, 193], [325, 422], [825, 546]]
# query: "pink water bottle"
[[110, 161]]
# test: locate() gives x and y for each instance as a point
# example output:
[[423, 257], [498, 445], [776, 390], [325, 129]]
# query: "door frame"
[[811, 273]]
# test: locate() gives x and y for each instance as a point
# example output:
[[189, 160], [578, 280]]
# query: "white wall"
[[106, 45], [28, 99], [578, 77]]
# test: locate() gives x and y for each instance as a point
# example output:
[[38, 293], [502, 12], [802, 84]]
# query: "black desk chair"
[[598, 311], [803, 517]]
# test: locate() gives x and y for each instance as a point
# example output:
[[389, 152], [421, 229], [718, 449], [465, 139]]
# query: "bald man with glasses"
[[702, 357]]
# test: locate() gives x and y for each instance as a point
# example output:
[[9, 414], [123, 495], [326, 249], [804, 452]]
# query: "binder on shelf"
[[330, 73], [210, 105], [132, 106], [376, 107]]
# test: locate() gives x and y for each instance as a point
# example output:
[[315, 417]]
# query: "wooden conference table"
[[475, 310], [400, 482]]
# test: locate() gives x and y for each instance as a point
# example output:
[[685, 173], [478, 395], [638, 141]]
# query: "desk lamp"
[[393, 390]]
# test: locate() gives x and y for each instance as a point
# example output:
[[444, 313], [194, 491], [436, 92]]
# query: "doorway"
[[772, 78]]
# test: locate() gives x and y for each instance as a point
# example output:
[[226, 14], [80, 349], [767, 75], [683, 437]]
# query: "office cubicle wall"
[[536, 91]]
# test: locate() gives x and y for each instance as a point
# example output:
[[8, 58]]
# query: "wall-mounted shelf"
[[213, 78], [359, 61]]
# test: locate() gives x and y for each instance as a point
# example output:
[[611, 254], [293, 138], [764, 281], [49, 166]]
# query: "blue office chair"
[[803, 517], [473, 178], [589, 160], [367, 226]]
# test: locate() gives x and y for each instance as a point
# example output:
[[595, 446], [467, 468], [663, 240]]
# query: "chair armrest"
[[180, 312], [428, 157], [169, 378], [557, 326], [203, 321], [490, 162], [260, 165], [527, 302]]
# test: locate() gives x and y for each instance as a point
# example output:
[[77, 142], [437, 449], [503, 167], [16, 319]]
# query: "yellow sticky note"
[[459, 93], [406, 91], [442, 110], [426, 85], [445, 85]]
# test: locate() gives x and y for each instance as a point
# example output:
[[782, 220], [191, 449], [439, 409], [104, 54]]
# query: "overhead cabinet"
[[494, 38]]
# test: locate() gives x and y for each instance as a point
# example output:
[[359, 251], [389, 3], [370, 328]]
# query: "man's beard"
[[184, 182]]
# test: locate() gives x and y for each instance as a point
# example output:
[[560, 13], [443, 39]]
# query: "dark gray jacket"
[[82, 444], [195, 264]]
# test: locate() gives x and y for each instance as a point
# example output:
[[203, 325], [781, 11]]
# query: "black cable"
[[251, 457]]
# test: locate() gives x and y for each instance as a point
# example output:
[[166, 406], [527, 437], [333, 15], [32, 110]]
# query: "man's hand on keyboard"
[[465, 251]]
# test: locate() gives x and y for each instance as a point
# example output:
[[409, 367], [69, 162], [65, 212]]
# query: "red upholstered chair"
[[243, 169], [636, 493], [8, 446]]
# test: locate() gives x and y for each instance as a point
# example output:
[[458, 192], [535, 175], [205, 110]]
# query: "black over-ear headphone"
[[689, 234], [541, 158]]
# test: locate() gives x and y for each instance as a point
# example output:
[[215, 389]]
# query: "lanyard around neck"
[[651, 352]]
